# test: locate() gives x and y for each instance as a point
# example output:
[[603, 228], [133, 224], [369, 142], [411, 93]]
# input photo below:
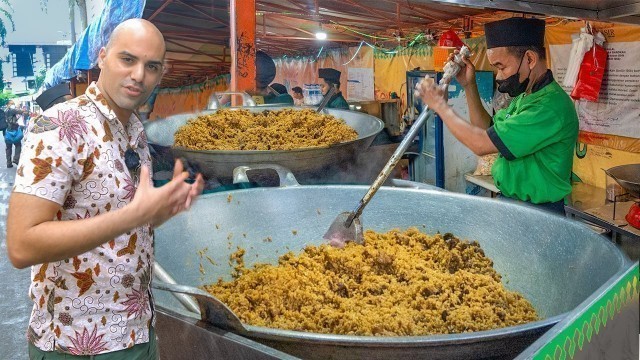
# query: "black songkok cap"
[[48, 98], [329, 75], [265, 69], [515, 31]]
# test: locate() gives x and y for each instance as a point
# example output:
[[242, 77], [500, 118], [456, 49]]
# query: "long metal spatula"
[[212, 310], [347, 226]]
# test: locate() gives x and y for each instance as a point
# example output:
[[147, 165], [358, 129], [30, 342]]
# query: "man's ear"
[[101, 56], [532, 58]]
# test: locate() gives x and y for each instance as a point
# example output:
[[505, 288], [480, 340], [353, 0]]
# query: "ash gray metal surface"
[[617, 340], [211, 308], [554, 262], [220, 163], [182, 337]]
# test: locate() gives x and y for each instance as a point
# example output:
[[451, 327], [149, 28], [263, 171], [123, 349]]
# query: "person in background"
[[265, 73], [23, 118], [12, 134], [264, 94], [281, 96], [331, 78], [3, 120], [535, 135], [298, 96], [84, 221]]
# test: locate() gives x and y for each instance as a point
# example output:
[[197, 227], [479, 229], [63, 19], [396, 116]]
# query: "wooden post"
[[243, 44]]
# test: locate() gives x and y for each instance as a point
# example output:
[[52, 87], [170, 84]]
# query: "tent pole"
[[243, 44]]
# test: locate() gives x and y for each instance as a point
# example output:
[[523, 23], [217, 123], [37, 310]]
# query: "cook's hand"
[[156, 205], [431, 94], [467, 75]]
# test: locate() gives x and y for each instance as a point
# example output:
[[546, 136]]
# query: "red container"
[[633, 217]]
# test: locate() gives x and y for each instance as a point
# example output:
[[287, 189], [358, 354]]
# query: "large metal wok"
[[627, 176], [302, 162], [554, 262]]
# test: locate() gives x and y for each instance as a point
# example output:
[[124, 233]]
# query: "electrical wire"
[[354, 55]]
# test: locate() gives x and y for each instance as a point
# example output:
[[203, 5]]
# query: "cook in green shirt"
[[535, 136], [331, 77], [278, 95]]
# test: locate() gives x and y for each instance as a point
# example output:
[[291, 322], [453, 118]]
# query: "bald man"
[[84, 221]]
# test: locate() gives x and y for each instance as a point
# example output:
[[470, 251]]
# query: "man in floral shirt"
[[78, 218]]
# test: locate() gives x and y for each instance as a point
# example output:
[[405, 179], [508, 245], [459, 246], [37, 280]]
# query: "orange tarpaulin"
[[188, 99], [296, 72]]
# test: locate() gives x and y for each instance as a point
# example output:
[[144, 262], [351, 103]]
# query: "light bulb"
[[321, 35]]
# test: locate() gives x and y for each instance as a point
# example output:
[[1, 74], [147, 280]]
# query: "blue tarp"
[[83, 55]]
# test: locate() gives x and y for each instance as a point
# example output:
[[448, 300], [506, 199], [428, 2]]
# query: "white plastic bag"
[[581, 44]]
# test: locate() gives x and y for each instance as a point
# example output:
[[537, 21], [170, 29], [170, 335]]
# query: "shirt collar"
[[546, 79], [134, 128]]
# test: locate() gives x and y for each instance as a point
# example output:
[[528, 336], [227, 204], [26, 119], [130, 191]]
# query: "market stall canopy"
[[83, 55], [197, 31], [623, 11]]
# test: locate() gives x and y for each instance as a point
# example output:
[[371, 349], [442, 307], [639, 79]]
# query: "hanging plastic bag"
[[450, 39], [581, 44], [591, 74]]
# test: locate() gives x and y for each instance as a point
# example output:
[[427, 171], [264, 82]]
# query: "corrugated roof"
[[197, 31]]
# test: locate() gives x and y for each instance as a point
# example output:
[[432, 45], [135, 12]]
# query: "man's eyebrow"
[[152, 62], [126, 53], [496, 64]]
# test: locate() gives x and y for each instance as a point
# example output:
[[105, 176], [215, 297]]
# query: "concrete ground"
[[15, 305]]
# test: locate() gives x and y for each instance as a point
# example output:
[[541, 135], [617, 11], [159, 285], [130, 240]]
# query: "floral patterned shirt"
[[99, 301]]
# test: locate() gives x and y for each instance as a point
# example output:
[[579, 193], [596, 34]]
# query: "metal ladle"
[[347, 225]]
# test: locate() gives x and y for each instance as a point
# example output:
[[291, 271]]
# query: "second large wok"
[[302, 162]]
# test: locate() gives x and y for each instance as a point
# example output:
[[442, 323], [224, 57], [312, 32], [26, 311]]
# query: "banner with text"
[[614, 120]]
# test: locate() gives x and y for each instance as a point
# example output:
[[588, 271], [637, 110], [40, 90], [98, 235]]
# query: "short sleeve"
[[46, 168], [534, 127]]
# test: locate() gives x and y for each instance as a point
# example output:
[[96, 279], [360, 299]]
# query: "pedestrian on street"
[[13, 134]]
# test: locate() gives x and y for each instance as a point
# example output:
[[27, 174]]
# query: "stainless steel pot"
[[628, 176], [554, 262], [302, 162]]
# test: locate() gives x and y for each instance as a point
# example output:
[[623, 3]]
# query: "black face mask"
[[512, 84]]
